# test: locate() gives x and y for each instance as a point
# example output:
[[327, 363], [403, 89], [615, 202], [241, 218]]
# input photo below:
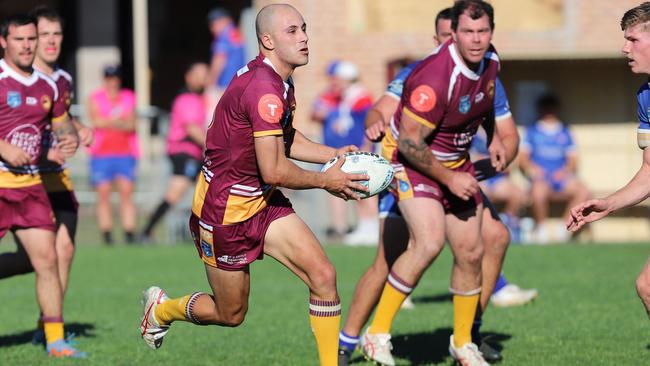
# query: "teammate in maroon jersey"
[[238, 213], [30, 105]]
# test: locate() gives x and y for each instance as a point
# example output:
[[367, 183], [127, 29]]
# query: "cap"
[[346, 71], [217, 13], [331, 67], [112, 70]]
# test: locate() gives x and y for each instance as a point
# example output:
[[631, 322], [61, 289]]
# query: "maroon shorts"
[[234, 247], [409, 183], [24, 208]]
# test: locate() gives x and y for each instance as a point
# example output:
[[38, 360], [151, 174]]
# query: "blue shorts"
[[107, 169], [388, 205], [557, 185]]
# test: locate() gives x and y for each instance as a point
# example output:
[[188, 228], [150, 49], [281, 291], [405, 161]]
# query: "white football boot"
[[408, 304], [152, 332], [467, 355], [512, 295], [377, 347]]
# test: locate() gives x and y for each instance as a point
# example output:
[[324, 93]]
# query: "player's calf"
[[643, 288]]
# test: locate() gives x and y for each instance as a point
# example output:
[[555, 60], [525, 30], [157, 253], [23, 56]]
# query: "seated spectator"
[[548, 158]]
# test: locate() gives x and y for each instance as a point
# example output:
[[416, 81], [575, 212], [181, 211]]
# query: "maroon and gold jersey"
[[256, 103], [442, 93], [28, 106]]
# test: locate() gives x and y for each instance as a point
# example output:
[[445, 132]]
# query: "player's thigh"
[[425, 219], [230, 288], [39, 245], [464, 232], [292, 243], [124, 186]]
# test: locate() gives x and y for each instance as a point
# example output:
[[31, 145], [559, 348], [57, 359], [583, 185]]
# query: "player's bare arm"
[[506, 129], [277, 170], [412, 144], [195, 133], [13, 155], [497, 153], [66, 135], [303, 149], [86, 135], [379, 116]]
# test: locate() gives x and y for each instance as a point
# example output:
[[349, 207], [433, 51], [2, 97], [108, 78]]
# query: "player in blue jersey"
[[548, 158], [494, 233], [636, 27]]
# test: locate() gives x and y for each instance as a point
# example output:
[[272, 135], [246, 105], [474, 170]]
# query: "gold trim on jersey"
[[242, 208], [267, 133], [419, 119], [453, 164], [57, 181], [60, 118], [200, 190], [13, 180]]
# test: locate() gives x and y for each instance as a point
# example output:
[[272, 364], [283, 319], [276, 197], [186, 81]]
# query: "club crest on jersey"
[[14, 99], [465, 104], [423, 98], [270, 108], [46, 102]]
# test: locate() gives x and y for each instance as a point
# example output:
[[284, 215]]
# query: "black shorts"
[[65, 208], [185, 165]]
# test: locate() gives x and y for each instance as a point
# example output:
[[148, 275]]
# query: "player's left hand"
[[586, 212], [55, 155], [86, 136], [342, 150], [497, 154]]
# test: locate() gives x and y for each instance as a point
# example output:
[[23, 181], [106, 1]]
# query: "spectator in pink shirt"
[[114, 152], [185, 142]]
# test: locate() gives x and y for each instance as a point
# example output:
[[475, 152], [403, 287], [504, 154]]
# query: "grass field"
[[587, 313]]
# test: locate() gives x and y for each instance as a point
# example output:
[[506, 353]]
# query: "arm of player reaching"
[[66, 135], [277, 170], [303, 149], [637, 190], [415, 149], [378, 117], [507, 131]]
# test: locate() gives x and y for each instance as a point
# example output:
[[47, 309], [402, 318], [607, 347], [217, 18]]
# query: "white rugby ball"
[[361, 162]]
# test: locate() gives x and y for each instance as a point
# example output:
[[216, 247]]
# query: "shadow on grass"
[[16, 339], [444, 297]]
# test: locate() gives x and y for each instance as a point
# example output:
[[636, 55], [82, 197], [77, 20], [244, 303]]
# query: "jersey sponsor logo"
[[13, 99], [270, 108], [46, 102], [26, 137], [423, 98], [232, 259], [465, 104], [31, 101], [479, 97], [490, 89], [421, 187]]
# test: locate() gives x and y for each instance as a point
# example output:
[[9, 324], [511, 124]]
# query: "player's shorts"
[[410, 183], [234, 247], [487, 204], [108, 168], [25, 208], [388, 205], [185, 165]]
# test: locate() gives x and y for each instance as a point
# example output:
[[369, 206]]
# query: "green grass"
[[587, 313]]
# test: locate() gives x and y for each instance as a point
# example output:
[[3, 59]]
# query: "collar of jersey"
[[25, 80], [287, 83], [461, 64]]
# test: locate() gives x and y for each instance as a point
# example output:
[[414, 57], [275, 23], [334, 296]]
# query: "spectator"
[[342, 110], [185, 142], [228, 55], [114, 152], [548, 158]]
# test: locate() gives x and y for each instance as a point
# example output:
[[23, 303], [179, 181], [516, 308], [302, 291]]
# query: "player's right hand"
[[376, 131], [463, 185], [55, 155], [342, 184], [15, 156], [67, 145], [586, 212]]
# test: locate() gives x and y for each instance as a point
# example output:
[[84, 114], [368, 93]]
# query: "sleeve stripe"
[[503, 116], [643, 138], [60, 118], [393, 95], [267, 133], [419, 119]]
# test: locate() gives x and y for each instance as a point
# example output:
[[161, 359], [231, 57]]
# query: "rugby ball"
[[361, 162]]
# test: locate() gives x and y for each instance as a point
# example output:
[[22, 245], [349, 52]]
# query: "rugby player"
[[394, 234], [55, 176], [438, 193], [636, 27], [238, 213], [185, 142], [31, 106]]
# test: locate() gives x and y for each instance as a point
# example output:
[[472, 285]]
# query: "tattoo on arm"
[[416, 150], [65, 128]]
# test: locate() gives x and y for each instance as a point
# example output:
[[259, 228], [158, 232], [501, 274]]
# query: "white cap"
[[346, 71]]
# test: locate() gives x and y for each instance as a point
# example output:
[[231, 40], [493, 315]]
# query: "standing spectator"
[[549, 160], [114, 153], [342, 110], [185, 141], [228, 55]]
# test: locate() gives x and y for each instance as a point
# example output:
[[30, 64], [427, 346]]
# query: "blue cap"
[[331, 67], [112, 70]]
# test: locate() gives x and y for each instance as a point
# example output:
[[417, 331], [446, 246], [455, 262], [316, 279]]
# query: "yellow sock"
[[464, 312], [395, 291], [171, 310], [53, 331], [325, 317]]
